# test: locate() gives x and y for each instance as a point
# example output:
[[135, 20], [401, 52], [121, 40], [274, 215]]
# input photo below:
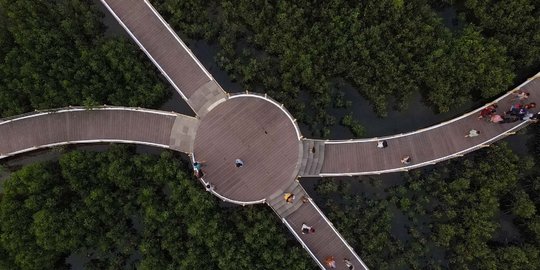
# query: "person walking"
[[330, 262], [307, 229], [382, 144], [406, 160], [472, 133], [348, 263], [238, 163]]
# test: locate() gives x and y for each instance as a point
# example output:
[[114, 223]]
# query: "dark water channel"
[[416, 116]]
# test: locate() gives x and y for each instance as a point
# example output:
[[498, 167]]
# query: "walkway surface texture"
[[250, 127]]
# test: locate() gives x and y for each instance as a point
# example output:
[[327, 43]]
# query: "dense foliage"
[[513, 23], [54, 53], [474, 213], [119, 209], [298, 51]]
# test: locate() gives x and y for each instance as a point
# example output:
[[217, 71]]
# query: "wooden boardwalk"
[[109, 124], [257, 131], [425, 147], [253, 128], [325, 241], [167, 51]]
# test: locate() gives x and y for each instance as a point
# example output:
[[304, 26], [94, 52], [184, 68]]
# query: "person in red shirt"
[[488, 111]]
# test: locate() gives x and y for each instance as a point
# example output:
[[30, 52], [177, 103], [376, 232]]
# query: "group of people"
[[520, 110], [330, 261], [289, 197]]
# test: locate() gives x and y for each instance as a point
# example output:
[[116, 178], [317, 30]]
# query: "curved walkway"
[[107, 124], [425, 147], [254, 128]]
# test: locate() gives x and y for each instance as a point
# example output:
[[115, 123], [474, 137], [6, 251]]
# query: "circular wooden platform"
[[256, 131]]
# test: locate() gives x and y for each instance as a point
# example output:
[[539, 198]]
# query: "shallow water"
[[416, 116]]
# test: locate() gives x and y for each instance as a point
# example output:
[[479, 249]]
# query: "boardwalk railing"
[[437, 125], [180, 42], [452, 153], [79, 108], [81, 142], [208, 186], [43, 113], [337, 233], [437, 160]]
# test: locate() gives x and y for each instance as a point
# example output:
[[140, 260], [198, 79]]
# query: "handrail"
[[213, 191], [433, 161], [82, 141], [104, 2], [437, 125], [302, 242], [81, 108], [337, 233], [173, 33], [279, 105]]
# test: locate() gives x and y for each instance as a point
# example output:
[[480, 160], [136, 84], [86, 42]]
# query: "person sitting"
[[289, 197], [488, 111], [509, 119], [496, 119], [528, 116], [536, 116], [520, 95], [197, 169], [521, 109], [529, 106]]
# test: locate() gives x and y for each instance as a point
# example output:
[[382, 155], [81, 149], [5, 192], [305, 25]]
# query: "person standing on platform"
[[197, 168], [349, 264], [406, 160], [238, 163]]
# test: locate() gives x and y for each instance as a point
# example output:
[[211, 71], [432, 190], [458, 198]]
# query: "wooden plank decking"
[[167, 51], [255, 130], [434, 144], [111, 124], [326, 240]]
